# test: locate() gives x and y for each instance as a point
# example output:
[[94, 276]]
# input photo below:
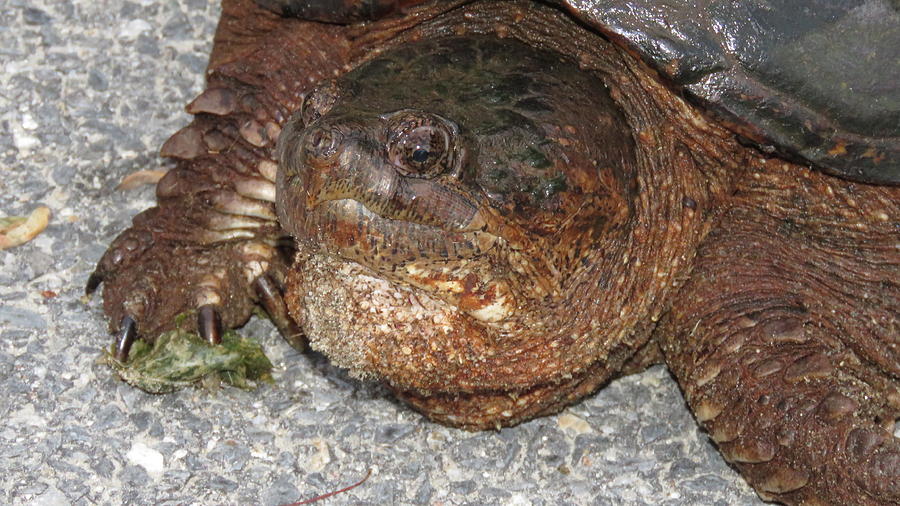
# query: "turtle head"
[[443, 197]]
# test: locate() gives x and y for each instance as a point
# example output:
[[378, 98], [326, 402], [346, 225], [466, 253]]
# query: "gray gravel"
[[88, 92]]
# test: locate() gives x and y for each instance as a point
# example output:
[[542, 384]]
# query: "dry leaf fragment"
[[17, 230]]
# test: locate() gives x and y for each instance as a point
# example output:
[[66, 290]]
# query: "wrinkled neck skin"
[[493, 223]]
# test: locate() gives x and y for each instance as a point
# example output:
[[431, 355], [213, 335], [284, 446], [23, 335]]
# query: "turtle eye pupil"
[[419, 145]]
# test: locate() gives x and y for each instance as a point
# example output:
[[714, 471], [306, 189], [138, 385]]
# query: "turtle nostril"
[[318, 139], [322, 142]]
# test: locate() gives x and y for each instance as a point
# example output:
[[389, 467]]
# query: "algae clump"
[[178, 359]]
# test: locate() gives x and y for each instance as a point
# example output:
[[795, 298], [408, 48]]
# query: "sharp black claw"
[[272, 301], [92, 283], [125, 338], [209, 324]]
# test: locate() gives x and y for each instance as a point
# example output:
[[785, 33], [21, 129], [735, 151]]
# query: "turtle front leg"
[[210, 247], [212, 244], [785, 340]]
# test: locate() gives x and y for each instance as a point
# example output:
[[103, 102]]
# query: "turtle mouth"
[[349, 229], [454, 266], [345, 199]]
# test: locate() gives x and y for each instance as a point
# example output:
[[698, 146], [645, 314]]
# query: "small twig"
[[336, 492]]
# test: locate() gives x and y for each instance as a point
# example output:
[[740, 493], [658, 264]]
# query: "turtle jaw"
[[452, 266], [381, 330]]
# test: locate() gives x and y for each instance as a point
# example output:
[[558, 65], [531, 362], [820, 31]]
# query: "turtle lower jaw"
[[375, 328]]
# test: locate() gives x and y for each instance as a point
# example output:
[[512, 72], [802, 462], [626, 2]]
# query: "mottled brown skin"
[[770, 290]]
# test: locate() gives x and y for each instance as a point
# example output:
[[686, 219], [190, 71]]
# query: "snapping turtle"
[[496, 206]]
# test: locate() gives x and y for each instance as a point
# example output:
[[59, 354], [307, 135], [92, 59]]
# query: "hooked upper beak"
[[337, 166]]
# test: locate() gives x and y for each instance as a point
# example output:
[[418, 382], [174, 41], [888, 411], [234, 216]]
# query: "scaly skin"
[[785, 339], [488, 282]]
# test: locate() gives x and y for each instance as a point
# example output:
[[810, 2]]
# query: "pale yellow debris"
[[18, 230]]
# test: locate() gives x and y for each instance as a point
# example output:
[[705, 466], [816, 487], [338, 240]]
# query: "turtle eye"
[[318, 102], [420, 146]]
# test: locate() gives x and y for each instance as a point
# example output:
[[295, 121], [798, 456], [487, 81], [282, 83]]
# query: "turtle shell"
[[815, 80]]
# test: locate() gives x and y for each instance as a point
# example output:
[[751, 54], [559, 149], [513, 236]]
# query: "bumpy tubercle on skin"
[[478, 294], [560, 345]]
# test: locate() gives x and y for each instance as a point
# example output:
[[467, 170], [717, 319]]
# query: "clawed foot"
[[209, 323], [147, 287]]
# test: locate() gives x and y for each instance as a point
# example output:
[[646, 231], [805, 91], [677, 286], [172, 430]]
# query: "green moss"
[[178, 359]]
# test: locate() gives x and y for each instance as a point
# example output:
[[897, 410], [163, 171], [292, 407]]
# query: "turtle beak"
[[337, 162]]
